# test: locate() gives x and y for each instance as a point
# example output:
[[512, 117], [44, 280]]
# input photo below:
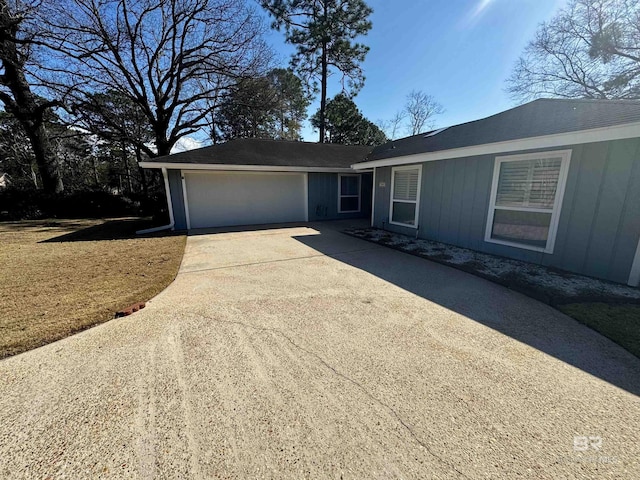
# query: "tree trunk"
[[143, 178], [96, 180], [323, 79], [282, 137], [23, 104], [34, 177], [43, 153], [163, 146], [323, 94], [125, 164]]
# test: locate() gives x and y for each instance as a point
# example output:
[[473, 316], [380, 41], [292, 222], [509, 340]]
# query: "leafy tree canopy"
[[273, 106], [346, 125]]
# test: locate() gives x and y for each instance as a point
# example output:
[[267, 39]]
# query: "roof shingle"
[[537, 118], [279, 153]]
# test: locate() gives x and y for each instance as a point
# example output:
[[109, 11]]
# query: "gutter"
[[169, 206], [600, 134], [634, 275], [243, 168]]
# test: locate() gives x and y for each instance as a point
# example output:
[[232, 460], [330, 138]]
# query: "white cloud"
[[186, 143]]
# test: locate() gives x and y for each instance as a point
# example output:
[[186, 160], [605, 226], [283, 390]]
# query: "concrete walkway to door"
[[299, 352]]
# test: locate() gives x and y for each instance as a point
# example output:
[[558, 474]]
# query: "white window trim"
[[565, 155], [417, 202], [341, 196]]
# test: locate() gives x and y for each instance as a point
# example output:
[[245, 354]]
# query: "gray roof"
[[280, 153], [537, 118]]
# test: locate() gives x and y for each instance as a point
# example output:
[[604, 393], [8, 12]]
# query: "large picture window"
[[349, 193], [405, 195], [526, 197]]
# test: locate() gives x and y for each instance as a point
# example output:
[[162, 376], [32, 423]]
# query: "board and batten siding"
[[323, 197], [599, 224], [177, 199]]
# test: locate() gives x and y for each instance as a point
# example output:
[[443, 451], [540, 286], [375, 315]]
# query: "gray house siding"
[[599, 224], [177, 199], [323, 197]]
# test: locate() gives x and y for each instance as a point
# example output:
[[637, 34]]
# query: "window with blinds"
[[405, 185], [524, 205], [405, 193], [528, 183]]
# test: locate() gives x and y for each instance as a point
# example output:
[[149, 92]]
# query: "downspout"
[[306, 197], [634, 275], [169, 206], [373, 198]]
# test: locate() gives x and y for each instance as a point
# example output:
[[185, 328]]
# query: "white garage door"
[[221, 199]]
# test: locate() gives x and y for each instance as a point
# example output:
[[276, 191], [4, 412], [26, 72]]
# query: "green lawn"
[[620, 323]]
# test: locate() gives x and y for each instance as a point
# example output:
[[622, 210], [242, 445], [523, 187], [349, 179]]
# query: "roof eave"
[[602, 134], [243, 168]]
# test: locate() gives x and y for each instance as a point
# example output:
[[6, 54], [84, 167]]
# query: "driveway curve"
[[299, 352]]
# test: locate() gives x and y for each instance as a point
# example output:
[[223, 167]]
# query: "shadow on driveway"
[[519, 317]]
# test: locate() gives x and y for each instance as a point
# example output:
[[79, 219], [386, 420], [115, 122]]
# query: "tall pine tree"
[[324, 33], [273, 106], [346, 125]]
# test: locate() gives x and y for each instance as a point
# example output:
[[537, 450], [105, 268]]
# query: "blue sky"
[[459, 51]]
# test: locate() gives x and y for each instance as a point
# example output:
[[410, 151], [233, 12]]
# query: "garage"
[[228, 198], [251, 181]]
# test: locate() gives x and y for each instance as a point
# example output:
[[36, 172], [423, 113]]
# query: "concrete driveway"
[[303, 353]]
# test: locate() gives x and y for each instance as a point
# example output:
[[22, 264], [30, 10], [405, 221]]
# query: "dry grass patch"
[[61, 276]]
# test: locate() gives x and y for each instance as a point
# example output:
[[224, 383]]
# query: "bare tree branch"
[[157, 53], [420, 111], [17, 37], [590, 49]]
